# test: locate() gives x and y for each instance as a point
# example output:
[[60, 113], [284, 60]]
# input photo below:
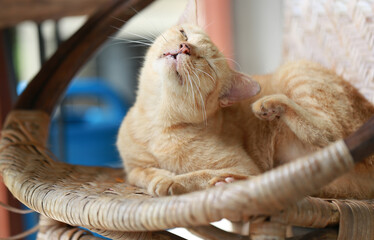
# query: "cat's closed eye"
[[184, 34]]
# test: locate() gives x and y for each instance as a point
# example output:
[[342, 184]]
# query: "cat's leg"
[[357, 184], [160, 182], [308, 126], [203, 179], [225, 178]]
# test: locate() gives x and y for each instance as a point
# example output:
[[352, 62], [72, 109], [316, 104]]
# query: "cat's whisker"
[[231, 60], [163, 37], [137, 57], [134, 41], [206, 26], [150, 33], [203, 109], [117, 28], [210, 76], [121, 42], [201, 97], [211, 67], [196, 76], [121, 20], [113, 44], [187, 84], [159, 34], [135, 45], [137, 12], [194, 83], [127, 43], [142, 37], [193, 93]]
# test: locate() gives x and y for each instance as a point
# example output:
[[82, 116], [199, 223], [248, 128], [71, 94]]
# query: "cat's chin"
[[165, 66], [171, 62], [169, 69], [176, 77]]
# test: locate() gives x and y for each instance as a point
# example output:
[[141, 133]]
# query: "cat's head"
[[191, 74]]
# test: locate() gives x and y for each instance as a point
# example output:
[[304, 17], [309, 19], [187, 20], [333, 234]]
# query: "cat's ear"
[[243, 87], [189, 14]]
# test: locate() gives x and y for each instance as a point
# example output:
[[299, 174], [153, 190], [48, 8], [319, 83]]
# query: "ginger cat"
[[197, 123]]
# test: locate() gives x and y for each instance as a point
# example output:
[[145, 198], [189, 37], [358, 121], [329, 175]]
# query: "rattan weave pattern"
[[357, 219], [97, 198], [339, 34]]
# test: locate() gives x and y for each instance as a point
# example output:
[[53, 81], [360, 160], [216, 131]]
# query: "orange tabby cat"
[[197, 123]]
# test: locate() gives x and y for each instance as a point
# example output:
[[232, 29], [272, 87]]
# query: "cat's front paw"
[[270, 107], [165, 186], [225, 178]]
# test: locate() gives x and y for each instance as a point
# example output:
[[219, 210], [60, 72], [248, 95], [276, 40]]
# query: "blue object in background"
[[88, 119], [90, 114]]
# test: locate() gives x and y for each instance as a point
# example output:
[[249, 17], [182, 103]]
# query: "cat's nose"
[[185, 48]]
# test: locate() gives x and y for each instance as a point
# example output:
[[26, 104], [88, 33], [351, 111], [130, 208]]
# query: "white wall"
[[257, 31]]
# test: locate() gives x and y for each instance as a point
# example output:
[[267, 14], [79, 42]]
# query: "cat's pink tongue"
[[184, 48], [171, 53]]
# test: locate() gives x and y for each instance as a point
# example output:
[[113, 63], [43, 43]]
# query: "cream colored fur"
[[197, 123]]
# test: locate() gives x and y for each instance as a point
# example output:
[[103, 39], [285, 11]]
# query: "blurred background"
[[84, 128]]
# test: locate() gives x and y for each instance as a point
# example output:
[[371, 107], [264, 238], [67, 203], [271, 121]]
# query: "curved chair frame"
[[98, 199]]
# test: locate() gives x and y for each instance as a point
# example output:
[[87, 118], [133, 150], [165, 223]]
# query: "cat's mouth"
[[176, 56], [173, 55], [183, 49]]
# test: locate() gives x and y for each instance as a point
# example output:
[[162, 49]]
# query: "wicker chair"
[[98, 199]]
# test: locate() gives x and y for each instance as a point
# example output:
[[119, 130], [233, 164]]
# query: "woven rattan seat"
[[99, 199]]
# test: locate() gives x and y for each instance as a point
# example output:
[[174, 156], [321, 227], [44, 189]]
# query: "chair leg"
[[10, 222]]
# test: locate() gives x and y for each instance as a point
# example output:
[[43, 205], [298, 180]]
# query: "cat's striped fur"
[[197, 123]]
